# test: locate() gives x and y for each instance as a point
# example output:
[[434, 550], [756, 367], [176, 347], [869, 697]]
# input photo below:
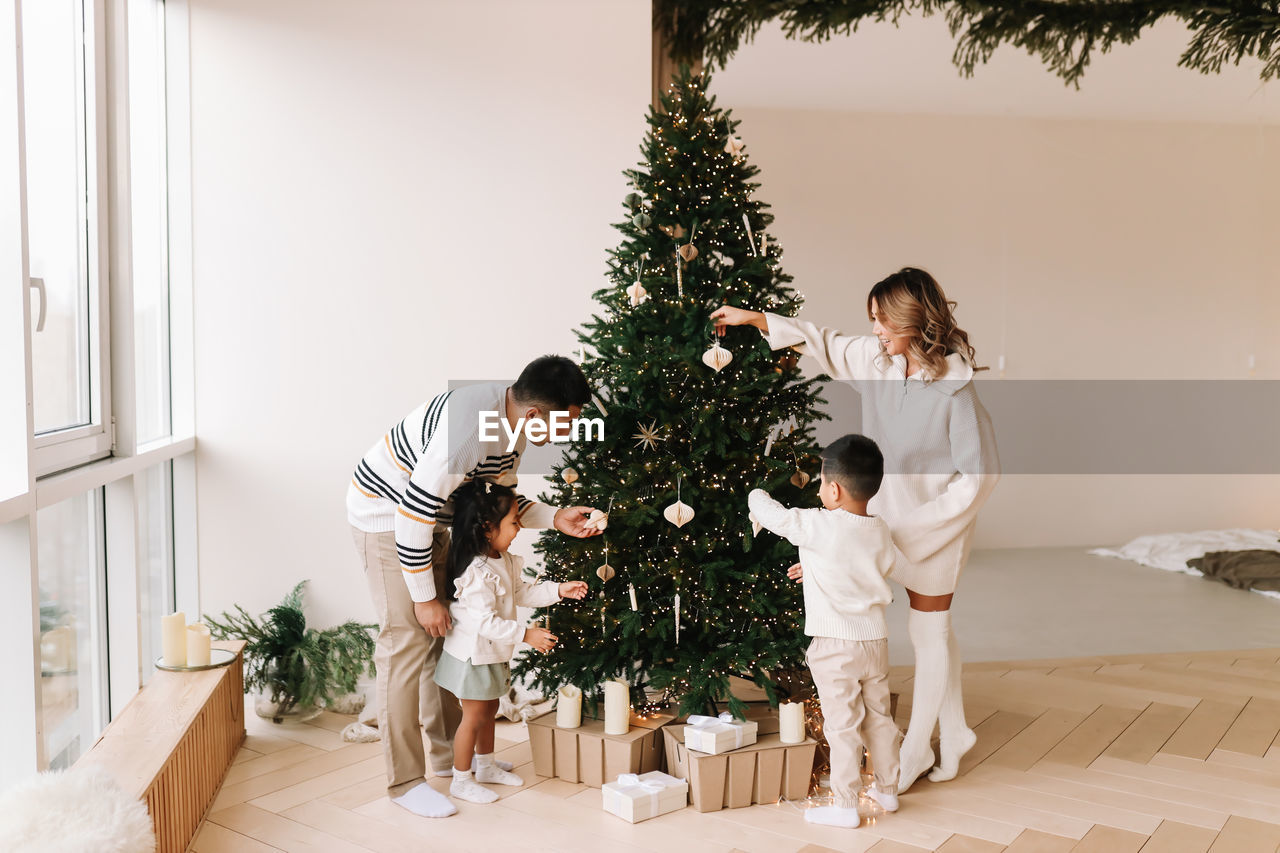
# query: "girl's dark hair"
[[478, 508]]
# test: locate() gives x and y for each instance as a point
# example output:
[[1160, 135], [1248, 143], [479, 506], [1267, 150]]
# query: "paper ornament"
[[756, 526], [605, 572], [597, 520], [688, 252], [734, 146], [676, 232], [642, 220], [648, 436], [679, 513], [633, 199], [637, 293], [717, 357], [800, 479], [569, 475]]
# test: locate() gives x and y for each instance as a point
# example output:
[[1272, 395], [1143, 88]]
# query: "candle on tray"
[[173, 638], [617, 707], [569, 707], [791, 722], [198, 645]]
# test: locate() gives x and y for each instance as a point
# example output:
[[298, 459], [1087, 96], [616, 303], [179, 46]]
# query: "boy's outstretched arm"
[[791, 524]]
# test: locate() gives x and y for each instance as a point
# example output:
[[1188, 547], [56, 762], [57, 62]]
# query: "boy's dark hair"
[[856, 463], [552, 383], [478, 507]]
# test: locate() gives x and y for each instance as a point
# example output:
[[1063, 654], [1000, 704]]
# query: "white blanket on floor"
[[1170, 551]]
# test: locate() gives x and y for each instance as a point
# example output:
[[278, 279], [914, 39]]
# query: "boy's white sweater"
[[846, 559]]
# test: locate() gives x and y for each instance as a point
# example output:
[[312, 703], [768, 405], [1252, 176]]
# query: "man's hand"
[[796, 573], [572, 520], [433, 616]]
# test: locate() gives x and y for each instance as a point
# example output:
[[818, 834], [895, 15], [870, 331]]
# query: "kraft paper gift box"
[[589, 756], [639, 797], [714, 735], [764, 772]]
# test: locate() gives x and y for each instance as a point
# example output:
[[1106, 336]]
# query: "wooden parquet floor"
[[1170, 753]]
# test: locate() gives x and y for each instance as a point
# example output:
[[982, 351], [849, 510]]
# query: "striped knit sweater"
[[406, 481]]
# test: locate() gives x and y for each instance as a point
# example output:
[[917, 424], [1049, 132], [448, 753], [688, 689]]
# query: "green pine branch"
[[1064, 34]]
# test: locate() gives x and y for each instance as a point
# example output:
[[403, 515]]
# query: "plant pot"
[[268, 710]]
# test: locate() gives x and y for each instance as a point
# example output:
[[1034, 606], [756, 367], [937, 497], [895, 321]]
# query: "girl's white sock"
[[490, 772], [929, 633], [425, 801], [464, 787], [956, 736]]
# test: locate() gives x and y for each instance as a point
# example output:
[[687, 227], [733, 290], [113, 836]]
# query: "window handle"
[[38, 284]]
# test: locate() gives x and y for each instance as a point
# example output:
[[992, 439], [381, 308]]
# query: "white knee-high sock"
[[929, 633], [956, 736]]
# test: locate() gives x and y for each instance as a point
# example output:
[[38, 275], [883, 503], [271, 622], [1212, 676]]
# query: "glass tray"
[[217, 658]]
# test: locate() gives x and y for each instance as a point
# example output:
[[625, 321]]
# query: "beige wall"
[[1075, 249], [387, 195]]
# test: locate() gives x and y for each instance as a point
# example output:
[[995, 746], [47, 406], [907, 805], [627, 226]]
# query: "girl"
[[940, 466], [486, 585]]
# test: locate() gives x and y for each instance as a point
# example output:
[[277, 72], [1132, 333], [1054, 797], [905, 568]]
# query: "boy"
[[846, 555], [399, 505]]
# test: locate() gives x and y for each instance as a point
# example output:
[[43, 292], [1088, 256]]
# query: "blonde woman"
[[914, 374]]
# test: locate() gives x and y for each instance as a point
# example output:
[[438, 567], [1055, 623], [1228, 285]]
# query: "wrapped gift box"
[[761, 773], [588, 755], [639, 797], [714, 735]]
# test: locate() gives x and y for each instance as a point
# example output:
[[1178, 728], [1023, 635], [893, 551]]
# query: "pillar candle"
[[569, 707], [791, 722], [617, 707], [198, 646], [173, 638]]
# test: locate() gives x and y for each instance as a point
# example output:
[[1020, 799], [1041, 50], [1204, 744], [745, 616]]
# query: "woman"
[[914, 374]]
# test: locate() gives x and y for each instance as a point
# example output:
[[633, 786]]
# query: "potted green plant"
[[296, 670]]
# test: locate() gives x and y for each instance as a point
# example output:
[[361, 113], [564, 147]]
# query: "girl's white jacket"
[[485, 628]]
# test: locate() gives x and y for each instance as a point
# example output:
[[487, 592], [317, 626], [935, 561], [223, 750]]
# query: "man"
[[398, 504]]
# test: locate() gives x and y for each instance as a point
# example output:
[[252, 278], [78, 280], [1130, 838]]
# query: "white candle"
[[617, 707], [631, 590], [791, 722], [173, 638], [198, 645], [569, 707]]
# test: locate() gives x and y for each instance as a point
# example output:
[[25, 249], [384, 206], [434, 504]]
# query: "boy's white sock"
[[488, 771], [502, 765], [425, 801], [956, 736], [464, 787], [888, 802], [845, 816], [929, 632]]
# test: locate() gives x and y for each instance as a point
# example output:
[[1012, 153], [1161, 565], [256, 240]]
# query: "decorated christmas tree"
[[684, 593]]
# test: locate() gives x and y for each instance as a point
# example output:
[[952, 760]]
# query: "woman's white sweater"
[[938, 443]]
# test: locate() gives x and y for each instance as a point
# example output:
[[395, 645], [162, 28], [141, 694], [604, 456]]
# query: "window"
[[156, 594], [60, 87], [72, 629]]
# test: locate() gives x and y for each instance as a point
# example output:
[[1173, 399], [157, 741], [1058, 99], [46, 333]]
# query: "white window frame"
[[65, 448]]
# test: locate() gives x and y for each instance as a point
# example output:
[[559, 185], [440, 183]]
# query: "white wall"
[[387, 195], [1078, 249]]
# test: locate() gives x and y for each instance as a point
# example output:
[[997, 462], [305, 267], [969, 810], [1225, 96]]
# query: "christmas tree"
[[684, 593]]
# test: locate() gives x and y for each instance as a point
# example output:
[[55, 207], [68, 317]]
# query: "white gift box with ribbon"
[[639, 797], [714, 735]]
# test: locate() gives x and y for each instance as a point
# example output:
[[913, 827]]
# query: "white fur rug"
[[75, 811]]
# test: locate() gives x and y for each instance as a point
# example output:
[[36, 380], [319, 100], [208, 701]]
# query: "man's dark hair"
[[552, 383], [856, 463]]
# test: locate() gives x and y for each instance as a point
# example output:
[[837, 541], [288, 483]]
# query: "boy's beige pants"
[[409, 700], [852, 678]]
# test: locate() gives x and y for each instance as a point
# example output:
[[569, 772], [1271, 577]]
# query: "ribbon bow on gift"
[[713, 724], [652, 787]]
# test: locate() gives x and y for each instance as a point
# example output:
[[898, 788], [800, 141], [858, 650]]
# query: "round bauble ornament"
[[717, 358], [679, 513], [569, 475]]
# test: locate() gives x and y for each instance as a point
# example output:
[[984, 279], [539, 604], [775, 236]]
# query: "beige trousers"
[[409, 700], [852, 678]]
